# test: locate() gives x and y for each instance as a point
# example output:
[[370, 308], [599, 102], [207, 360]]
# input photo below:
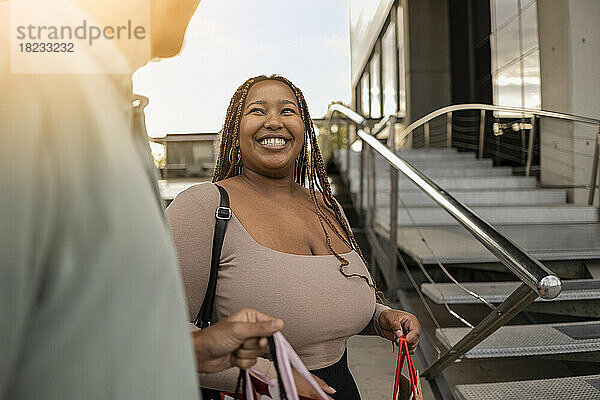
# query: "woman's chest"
[[297, 230], [315, 300]]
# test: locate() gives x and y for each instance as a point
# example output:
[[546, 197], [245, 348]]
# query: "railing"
[[537, 279], [528, 148]]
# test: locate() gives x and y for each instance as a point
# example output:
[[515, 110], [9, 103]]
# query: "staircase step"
[[463, 183], [434, 155], [434, 173], [572, 388], [427, 216], [413, 154], [432, 150], [529, 340], [453, 244], [484, 197], [464, 162], [497, 292]]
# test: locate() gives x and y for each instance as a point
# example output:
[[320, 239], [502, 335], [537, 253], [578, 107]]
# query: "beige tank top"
[[321, 308]]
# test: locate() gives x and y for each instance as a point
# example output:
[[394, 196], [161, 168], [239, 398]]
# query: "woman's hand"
[[392, 321], [236, 341], [305, 390]]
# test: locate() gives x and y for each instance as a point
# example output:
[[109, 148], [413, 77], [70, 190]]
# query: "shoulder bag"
[[204, 316]]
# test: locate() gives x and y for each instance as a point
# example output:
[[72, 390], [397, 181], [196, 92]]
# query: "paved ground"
[[373, 365]]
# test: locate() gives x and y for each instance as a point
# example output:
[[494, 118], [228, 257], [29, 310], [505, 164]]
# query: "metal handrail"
[[489, 107], [529, 112], [529, 270], [381, 125]]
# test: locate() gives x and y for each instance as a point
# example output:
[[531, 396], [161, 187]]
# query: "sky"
[[229, 41]]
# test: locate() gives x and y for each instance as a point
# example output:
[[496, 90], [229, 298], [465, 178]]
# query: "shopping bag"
[[406, 388], [252, 385], [264, 388]]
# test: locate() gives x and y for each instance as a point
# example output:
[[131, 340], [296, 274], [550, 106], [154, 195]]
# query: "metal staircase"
[[437, 212], [578, 387], [538, 219]]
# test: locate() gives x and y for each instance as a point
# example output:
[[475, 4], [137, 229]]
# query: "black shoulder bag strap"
[[222, 217]]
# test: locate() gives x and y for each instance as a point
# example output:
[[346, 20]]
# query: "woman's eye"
[[256, 110], [288, 111]]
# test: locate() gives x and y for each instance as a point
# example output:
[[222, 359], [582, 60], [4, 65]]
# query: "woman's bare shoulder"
[[196, 196], [203, 190], [232, 183]]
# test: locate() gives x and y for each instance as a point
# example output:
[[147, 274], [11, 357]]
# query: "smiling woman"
[[288, 250], [268, 137], [271, 131]]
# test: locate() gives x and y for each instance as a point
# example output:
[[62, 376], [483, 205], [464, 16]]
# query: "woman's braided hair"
[[309, 166]]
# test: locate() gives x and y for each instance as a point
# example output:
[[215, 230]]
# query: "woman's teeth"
[[272, 142]]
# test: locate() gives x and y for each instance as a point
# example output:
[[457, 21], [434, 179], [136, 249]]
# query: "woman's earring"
[[239, 156]]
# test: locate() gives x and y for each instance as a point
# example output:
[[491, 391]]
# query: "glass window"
[[531, 80], [401, 61], [494, 50], [530, 28], [364, 93], [508, 43], [388, 49], [504, 10], [509, 86], [375, 95], [515, 55], [526, 3]]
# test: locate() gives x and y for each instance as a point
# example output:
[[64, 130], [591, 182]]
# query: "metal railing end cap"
[[549, 287]]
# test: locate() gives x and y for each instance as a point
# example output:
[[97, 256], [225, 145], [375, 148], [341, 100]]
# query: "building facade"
[[412, 57], [189, 154]]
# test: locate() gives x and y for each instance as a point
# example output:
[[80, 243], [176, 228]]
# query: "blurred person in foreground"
[[90, 294]]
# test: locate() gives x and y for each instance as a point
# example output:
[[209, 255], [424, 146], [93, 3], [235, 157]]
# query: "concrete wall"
[[569, 37], [428, 69]]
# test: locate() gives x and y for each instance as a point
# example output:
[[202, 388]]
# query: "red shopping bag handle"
[[402, 355]]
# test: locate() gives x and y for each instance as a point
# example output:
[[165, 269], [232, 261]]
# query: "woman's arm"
[[191, 217], [374, 328]]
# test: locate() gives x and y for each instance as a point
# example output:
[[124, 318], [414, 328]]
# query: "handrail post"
[[515, 303], [361, 200], [426, 128], [530, 147], [393, 207], [339, 137], [449, 129], [348, 143], [373, 202], [594, 169], [368, 188], [481, 133]]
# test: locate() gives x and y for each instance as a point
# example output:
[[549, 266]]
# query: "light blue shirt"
[[91, 303]]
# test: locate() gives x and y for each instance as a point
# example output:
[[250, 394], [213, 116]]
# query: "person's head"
[[268, 130], [169, 21]]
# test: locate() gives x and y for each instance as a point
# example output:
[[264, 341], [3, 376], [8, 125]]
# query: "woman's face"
[[271, 130]]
